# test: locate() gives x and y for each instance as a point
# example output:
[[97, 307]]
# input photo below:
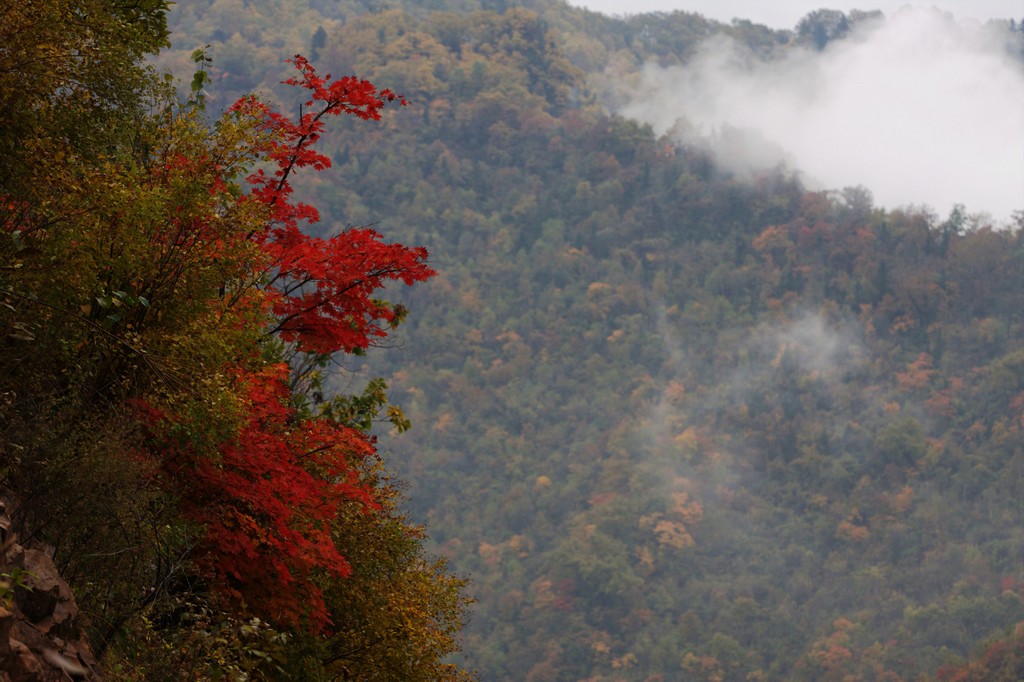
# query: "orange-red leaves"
[[269, 500], [323, 288], [269, 494]]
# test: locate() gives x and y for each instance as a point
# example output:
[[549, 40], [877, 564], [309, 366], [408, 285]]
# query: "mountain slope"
[[671, 422]]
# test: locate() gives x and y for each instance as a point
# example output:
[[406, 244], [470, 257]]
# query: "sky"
[[786, 13], [923, 109]]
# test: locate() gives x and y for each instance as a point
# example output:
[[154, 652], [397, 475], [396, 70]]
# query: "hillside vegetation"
[[670, 422], [166, 435]]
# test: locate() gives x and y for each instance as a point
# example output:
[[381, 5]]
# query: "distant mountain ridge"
[[672, 423]]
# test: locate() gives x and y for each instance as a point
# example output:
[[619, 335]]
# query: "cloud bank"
[[919, 108]]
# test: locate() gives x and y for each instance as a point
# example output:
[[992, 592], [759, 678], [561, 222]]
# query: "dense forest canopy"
[[671, 420]]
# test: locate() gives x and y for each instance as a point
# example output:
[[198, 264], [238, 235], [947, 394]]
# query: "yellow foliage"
[[627, 661], [672, 534], [675, 391], [774, 244], [543, 595], [901, 501], [842, 624], [706, 668], [903, 323], [489, 553], [849, 531], [470, 299], [646, 557], [687, 439], [689, 512], [520, 545], [508, 337], [441, 425]]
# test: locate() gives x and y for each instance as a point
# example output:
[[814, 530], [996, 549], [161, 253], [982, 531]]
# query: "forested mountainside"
[[670, 422]]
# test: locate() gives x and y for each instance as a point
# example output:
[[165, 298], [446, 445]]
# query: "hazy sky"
[[786, 13], [919, 109]]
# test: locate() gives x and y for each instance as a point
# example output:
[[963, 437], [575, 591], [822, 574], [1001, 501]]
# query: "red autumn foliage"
[[268, 496], [323, 287], [1002, 661], [268, 502]]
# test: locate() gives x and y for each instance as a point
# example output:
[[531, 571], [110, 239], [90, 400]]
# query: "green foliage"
[[10, 583], [380, 611], [201, 76], [144, 402], [199, 641], [675, 424], [618, 324]]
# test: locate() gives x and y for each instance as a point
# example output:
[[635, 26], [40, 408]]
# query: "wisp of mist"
[[919, 108]]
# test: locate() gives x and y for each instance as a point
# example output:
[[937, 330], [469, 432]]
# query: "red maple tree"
[[267, 497]]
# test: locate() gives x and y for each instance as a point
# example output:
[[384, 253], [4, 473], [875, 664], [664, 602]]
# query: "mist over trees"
[[672, 419], [861, 110]]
